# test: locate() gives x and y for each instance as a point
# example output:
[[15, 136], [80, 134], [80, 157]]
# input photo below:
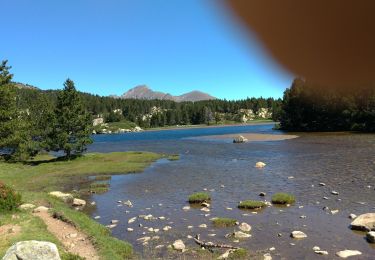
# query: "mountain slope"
[[144, 92]]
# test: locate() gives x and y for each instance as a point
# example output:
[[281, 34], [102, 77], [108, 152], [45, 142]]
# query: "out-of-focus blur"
[[331, 42]]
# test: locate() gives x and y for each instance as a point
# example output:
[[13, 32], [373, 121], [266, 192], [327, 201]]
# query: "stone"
[[298, 234], [40, 209], [205, 209], [161, 218], [159, 246], [202, 226], [205, 204], [260, 165], [114, 221], [262, 194], [226, 254], [132, 220], [267, 256], [316, 248], [79, 202], [352, 216], [348, 253], [244, 227], [334, 192], [321, 252], [370, 236], [26, 206], [166, 228], [364, 222], [239, 139], [130, 229], [186, 208], [128, 203], [322, 184], [111, 226], [335, 211], [66, 197], [36, 250], [97, 217], [144, 239], [240, 234], [178, 245]]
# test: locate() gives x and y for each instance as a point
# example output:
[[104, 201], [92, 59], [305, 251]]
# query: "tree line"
[[41, 125], [308, 107]]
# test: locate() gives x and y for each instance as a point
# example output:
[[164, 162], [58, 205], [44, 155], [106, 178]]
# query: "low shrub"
[[251, 204], [9, 198], [199, 197], [224, 222], [283, 198]]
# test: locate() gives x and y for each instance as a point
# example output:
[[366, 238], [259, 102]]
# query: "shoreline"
[[251, 137]]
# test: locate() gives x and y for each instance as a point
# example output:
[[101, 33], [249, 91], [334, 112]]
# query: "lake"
[[344, 162]]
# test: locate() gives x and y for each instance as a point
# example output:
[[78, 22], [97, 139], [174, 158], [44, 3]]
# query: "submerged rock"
[[244, 227], [348, 253], [36, 250], [260, 165], [298, 234], [240, 234], [364, 222], [240, 139]]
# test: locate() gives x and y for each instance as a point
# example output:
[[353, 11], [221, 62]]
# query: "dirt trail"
[[73, 240]]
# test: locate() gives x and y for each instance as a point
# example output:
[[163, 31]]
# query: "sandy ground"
[[252, 137], [74, 241]]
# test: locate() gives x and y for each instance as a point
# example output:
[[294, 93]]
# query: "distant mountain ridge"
[[144, 92]]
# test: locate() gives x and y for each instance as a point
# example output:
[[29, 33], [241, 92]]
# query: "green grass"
[[283, 198], [224, 222], [102, 178], [199, 197], [251, 204], [239, 254], [43, 174], [173, 157]]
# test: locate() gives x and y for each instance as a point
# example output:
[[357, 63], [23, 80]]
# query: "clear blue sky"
[[108, 47]]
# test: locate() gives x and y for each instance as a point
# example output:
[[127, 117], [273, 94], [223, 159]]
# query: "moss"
[[239, 254], [283, 198], [251, 204], [224, 222], [199, 197]]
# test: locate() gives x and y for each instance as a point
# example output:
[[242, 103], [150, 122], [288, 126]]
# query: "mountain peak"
[[144, 92]]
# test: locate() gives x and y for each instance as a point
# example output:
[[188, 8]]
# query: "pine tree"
[[72, 128]]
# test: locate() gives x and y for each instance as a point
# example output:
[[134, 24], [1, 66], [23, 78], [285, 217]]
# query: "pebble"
[[97, 217], [303, 216], [205, 209], [322, 184], [348, 253], [370, 236], [352, 216], [186, 208], [130, 229], [161, 218], [334, 192], [114, 221], [132, 220], [262, 194], [267, 256], [335, 211], [166, 228], [298, 234], [203, 226]]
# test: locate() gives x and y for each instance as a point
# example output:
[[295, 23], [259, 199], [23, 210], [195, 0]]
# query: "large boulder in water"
[[364, 222], [36, 250]]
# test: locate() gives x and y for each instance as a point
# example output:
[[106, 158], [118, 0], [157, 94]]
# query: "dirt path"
[[74, 241]]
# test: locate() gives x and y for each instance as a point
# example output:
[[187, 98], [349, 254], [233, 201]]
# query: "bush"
[[224, 222], [199, 197], [283, 198], [9, 199], [251, 204]]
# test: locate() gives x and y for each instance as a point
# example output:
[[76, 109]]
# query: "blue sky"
[[108, 47]]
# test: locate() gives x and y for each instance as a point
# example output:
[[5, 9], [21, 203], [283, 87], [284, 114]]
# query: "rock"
[[205, 204], [370, 236], [272, 249], [40, 209], [132, 220], [159, 246], [128, 203], [143, 239], [364, 222], [26, 206], [262, 194], [321, 252], [239, 139], [335, 211], [130, 229], [79, 202], [111, 226], [334, 192], [298, 234], [205, 209], [166, 228], [161, 218], [226, 254], [260, 165], [322, 184], [240, 234], [186, 208], [178, 245], [348, 253], [36, 250], [114, 221], [66, 197], [202, 226], [303, 216], [316, 248], [244, 227], [352, 216], [267, 256]]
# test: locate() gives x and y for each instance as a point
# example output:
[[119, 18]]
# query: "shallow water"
[[345, 162]]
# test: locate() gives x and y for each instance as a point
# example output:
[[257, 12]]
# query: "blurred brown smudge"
[[331, 42]]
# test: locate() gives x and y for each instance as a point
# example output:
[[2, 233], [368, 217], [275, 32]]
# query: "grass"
[[283, 198], [224, 222], [43, 174], [199, 197], [251, 204], [239, 254], [102, 178]]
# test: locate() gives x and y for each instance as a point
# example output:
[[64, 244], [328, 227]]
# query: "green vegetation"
[[224, 222], [44, 173], [199, 197], [283, 198], [251, 204], [239, 254], [9, 198], [308, 107], [174, 157]]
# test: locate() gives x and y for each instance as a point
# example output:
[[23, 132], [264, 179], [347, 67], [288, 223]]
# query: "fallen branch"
[[210, 245]]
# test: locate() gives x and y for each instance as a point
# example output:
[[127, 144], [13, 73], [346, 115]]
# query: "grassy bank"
[[36, 178]]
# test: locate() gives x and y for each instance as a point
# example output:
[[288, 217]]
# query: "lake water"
[[345, 162]]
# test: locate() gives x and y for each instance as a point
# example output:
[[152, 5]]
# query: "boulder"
[[348, 253], [79, 202], [239, 139], [178, 245], [40, 209], [36, 250], [66, 197], [260, 164], [244, 227], [298, 234], [371, 237], [240, 234], [26, 206], [364, 222]]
